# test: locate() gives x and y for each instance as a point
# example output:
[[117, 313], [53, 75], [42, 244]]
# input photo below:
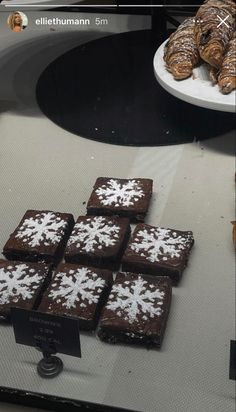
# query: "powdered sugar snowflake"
[[45, 228], [159, 242], [134, 298], [79, 286], [15, 284], [97, 231], [120, 194]]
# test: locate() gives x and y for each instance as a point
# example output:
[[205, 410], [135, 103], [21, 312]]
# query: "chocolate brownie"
[[123, 197], [77, 291], [21, 285], [98, 241], [158, 251], [137, 310], [40, 236]]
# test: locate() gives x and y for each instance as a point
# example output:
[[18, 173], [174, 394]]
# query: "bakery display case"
[[116, 210]]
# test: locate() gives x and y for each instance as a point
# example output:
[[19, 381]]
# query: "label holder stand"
[[50, 365], [49, 334]]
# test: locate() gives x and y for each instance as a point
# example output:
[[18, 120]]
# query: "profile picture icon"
[[17, 21]]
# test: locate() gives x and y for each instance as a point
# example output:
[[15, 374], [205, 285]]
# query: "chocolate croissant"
[[227, 76], [234, 233], [215, 25], [181, 53]]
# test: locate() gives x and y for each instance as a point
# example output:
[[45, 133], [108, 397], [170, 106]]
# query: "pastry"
[[136, 311], [227, 75], [215, 25], [98, 241], [234, 233], [21, 285], [181, 53], [77, 291], [40, 236], [122, 197], [158, 251]]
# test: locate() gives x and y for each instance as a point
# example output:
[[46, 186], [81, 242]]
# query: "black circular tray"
[[106, 90]]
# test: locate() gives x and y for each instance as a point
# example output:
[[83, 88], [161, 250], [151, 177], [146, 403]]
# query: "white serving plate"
[[197, 90]]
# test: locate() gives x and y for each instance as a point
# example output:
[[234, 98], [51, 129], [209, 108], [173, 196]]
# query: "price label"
[[49, 333]]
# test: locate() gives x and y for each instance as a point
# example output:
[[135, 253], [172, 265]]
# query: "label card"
[[49, 333]]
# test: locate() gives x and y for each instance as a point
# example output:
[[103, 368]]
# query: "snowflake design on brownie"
[[94, 232], [16, 284], [158, 243], [120, 194], [134, 299], [45, 228], [79, 286]]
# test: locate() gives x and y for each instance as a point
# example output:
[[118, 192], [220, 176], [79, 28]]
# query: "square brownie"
[[137, 310], [40, 236], [158, 251], [123, 197], [98, 241], [21, 285], [77, 291]]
